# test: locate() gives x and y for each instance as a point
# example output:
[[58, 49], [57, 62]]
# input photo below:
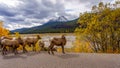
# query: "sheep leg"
[[52, 50], [14, 49], [34, 49], [15, 52], [24, 49], [3, 50], [44, 49], [49, 49], [48, 52], [1, 46], [63, 50], [11, 49]]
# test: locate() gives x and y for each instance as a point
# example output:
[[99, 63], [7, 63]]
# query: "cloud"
[[29, 13]]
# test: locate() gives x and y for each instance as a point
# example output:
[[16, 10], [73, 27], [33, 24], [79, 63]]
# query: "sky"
[[18, 14]]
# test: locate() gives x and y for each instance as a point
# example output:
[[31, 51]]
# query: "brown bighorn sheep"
[[57, 42], [14, 43]]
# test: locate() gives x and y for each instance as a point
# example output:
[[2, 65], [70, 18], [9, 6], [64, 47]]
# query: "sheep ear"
[[38, 36]]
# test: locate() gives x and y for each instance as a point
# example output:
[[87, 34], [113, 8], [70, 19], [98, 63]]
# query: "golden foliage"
[[17, 34], [59, 49], [3, 31], [81, 46], [99, 30], [20, 48]]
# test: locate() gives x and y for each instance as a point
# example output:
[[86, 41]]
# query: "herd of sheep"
[[14, 43]]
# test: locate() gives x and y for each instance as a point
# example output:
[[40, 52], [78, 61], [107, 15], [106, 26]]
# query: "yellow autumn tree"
[[3, 31], [17, 34], [99, 29]]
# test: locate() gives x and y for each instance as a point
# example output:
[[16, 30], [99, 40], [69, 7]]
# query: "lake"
[[48, 36]]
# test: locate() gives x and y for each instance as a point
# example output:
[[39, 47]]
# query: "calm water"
[[69, 44], [47, 37]]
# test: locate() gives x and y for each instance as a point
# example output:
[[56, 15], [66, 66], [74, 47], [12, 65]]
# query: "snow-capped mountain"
[[56, 25], [60, 19]]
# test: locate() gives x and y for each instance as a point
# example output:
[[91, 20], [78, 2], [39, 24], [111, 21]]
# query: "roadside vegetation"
[[3, 31], [100, 29]]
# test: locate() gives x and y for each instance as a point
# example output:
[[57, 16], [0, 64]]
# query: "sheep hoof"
[[52, 54], [48, 52], [15, 53], [63, 52], [3, 54]]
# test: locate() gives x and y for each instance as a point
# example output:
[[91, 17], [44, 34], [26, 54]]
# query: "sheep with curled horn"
[[31, 41], [14, 43], [57, 42], [4, 37]]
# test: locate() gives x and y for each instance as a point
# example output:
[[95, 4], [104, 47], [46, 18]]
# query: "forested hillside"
[[51, 27]]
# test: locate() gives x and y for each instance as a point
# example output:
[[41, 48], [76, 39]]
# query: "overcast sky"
[[28, 13]]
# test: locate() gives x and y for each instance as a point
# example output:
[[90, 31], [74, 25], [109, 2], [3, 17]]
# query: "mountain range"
[[57, 25]]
